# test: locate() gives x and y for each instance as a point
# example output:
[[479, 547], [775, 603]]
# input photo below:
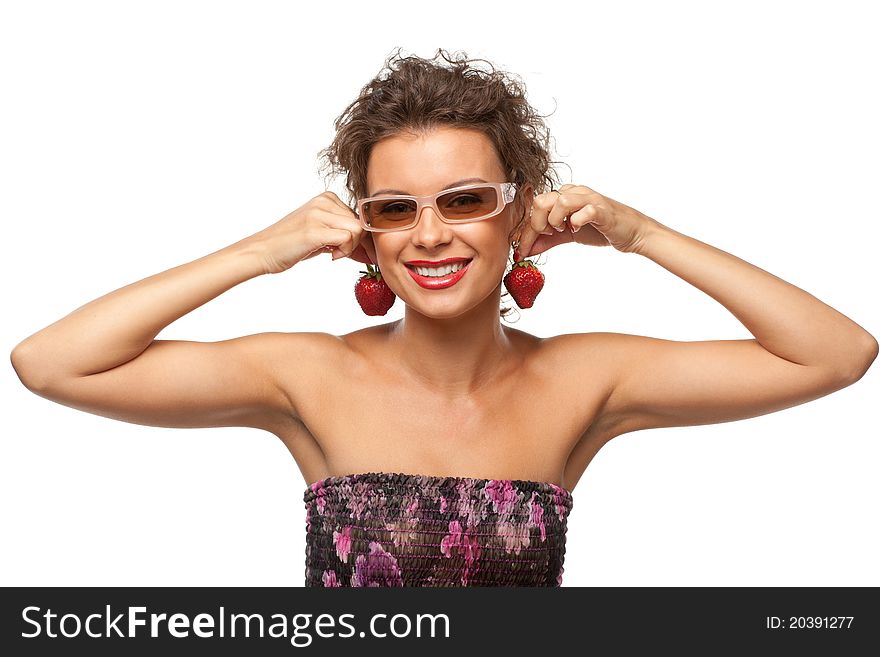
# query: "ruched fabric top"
[[395, 529]]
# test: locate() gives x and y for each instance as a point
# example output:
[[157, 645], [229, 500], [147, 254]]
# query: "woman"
[[425, 474]]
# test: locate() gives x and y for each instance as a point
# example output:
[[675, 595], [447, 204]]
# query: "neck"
[[455, 356]]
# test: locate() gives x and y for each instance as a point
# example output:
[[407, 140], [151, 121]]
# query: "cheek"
[[386, 247]]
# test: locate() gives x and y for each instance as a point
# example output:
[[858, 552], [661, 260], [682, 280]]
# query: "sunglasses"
[[460, 205]]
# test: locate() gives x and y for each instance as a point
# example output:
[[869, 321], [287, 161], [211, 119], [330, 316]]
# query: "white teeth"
[[439, 271]]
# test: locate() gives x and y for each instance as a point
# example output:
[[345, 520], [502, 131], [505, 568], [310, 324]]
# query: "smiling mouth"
[[446, 269]]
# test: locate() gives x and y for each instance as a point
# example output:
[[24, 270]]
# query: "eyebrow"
[[457, 183]]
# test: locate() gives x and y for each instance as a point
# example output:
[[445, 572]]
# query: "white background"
[[139, 136]]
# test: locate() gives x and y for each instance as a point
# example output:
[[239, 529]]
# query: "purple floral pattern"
[[395, 529]]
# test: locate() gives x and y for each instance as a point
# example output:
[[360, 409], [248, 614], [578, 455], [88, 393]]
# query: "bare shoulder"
[[299, 362], [588, 364], [280, 350], [581, 353], [303, 343]]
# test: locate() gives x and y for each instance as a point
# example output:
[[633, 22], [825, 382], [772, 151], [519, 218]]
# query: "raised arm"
[[803, 349], [103, 357]]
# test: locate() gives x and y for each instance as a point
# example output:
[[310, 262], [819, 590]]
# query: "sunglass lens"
[[468, 204], [390, 213]]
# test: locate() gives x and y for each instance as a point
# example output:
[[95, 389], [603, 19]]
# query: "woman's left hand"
[[576, 213]]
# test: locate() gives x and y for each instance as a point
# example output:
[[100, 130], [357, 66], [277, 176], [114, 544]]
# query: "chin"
[[451, 308], [440, 313]]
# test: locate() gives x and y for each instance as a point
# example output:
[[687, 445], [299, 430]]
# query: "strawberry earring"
[[524, 280], [373, 293]]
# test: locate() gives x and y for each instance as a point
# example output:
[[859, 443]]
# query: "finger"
[[339, 240], [536, 243], [337, 206], [336, 201], [577, 189], [335, 231], [334, 219], [582, 217], [529, 234], [561, 207], [537, 225], [523, 242]]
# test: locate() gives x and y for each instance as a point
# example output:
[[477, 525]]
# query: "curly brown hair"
[[413, 95]]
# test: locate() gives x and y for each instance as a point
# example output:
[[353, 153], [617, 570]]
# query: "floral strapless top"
[[395, 529]]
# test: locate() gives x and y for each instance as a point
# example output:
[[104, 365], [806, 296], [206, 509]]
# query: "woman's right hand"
[[323, 225]]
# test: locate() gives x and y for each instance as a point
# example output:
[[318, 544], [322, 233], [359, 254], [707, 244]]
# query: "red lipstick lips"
[[438, 282]]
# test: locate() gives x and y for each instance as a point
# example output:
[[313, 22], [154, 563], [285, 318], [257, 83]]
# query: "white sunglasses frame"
[[506, 191]]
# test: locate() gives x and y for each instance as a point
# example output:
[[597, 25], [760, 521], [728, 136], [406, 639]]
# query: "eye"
[[395, 208], [469, 199]]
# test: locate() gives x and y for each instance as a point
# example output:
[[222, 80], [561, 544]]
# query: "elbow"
[[28, 373], [871, 350], [867, 355]]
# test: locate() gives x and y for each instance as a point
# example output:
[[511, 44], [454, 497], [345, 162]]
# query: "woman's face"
[[426, 164]]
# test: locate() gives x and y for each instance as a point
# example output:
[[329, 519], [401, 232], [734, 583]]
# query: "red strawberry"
[[523, 282], [373, 293]]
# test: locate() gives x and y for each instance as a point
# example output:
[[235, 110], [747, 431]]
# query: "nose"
[[429, 226]]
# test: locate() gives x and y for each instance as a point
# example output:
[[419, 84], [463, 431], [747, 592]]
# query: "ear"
[[528, 196], [369, 247], [522, 207]]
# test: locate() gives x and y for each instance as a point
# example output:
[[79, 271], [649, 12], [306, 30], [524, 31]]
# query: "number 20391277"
[[809, 622]]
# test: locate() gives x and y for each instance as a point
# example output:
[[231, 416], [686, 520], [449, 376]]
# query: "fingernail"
[[575, 229], [336, 256], [559, 229]]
